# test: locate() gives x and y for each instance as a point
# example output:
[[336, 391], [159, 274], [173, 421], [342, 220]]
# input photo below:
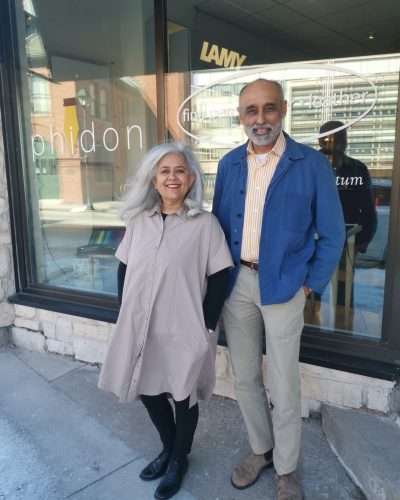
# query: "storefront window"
[[328, 75], [81, 64]]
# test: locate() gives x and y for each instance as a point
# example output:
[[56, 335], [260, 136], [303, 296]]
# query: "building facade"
[[87, 89]]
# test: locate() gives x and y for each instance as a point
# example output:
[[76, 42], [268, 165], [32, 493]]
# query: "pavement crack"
[[103, 477], [65, 374]]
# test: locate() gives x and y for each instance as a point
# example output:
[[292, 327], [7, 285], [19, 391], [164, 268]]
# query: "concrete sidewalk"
[[61, 437]]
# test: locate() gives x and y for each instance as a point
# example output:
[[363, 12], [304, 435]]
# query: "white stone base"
[[33, 341], [40, 330]]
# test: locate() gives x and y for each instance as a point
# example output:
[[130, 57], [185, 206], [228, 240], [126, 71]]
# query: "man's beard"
[[263, 140]]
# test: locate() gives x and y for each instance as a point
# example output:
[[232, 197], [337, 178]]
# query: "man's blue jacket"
[[302, 233]]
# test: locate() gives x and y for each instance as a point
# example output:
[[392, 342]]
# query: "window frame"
[[351, 354]]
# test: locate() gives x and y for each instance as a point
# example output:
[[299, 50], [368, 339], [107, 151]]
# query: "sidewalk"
[[61, 437]]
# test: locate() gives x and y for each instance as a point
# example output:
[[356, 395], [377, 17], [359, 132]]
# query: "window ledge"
[[87, 307]]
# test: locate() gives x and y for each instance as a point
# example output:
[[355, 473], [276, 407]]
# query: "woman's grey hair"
[[141, 193]]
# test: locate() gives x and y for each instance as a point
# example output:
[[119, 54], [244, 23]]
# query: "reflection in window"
[[80, 149], [94, 99], [39, 91], [353, 303], [103, 104]]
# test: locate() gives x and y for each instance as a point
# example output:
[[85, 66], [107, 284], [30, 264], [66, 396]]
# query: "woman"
[[172, 283]]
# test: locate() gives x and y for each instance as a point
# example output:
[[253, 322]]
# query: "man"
[[353, 183], [357, 197], [272, 197]]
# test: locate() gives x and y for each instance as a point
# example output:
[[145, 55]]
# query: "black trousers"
[[176, 433]]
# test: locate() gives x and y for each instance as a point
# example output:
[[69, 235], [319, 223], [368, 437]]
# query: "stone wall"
[[7, 286], [86, 339], [320, 385], [40, 331]]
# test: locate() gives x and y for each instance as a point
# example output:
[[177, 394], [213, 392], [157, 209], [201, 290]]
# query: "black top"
[[356, 196]]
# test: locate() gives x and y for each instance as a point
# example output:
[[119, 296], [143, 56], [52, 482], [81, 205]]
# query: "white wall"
[[86, 339]]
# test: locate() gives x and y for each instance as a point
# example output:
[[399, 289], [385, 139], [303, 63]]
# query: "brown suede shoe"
[[288, 487], [248, 471]]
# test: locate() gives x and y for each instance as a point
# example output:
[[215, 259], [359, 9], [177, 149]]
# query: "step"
[[368, 445]]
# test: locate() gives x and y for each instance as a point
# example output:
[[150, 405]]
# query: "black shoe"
[[171, 482], [157, 467]]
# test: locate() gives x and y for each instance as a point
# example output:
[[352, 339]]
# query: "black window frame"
[[348, 353]]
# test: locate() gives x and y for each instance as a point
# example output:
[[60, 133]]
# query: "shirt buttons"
[[239, 216], [236, 243]]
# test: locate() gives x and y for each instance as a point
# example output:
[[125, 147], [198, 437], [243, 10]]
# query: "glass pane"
[[88, 115], [331, 69]]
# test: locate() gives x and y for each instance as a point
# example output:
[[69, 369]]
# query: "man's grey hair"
[[274, 82], [142, 194]]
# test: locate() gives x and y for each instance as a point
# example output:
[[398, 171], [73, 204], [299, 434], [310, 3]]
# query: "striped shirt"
[[258, 178]]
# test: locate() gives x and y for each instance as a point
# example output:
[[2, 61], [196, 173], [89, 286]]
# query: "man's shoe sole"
[[268, 466]]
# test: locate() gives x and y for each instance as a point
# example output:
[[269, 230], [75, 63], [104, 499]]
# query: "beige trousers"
[[245, 319]]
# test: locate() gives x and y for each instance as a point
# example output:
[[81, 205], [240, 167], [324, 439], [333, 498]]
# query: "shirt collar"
[[278, 149], [182, 212]]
